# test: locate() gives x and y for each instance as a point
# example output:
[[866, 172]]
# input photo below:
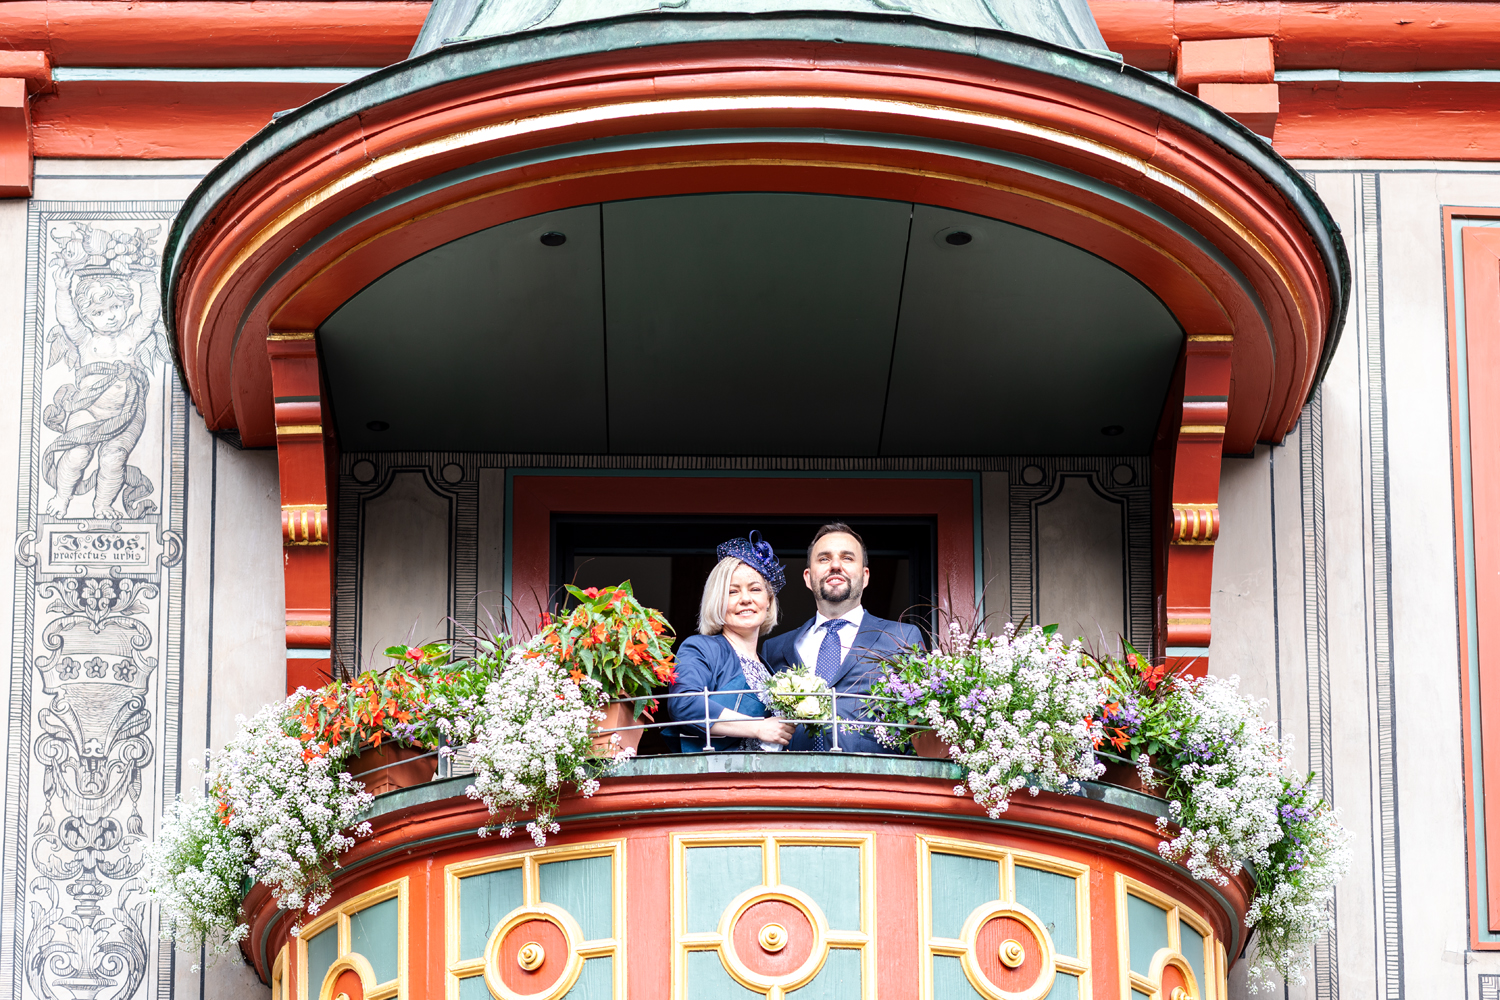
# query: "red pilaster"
[[1195, 499], [306, 455]]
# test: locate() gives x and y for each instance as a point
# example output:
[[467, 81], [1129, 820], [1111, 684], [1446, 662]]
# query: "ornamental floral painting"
[[96, 634]]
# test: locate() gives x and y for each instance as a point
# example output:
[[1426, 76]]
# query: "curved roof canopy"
[[1062, 22], [744, 186]]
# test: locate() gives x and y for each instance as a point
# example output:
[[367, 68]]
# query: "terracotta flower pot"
[[400, 767], [1126, 776], [617, 715], [927, 744]]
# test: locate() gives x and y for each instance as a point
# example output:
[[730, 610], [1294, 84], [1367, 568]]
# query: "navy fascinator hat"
[[759, 556]]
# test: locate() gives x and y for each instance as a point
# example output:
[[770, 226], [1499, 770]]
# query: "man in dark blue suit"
[[843, 642]]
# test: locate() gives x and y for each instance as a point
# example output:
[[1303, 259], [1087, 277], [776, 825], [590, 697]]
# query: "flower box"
[[928, 744], [391, 766], [617, 716], [1124, 775]]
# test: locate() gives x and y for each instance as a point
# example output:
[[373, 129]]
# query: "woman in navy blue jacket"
[[721, 679]]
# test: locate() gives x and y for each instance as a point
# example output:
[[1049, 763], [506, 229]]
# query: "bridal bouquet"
[[801, 695]]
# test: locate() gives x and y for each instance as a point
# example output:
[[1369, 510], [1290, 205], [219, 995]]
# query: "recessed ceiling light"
[[553, 239], [1112, 430], [378, 425], [959, 238]]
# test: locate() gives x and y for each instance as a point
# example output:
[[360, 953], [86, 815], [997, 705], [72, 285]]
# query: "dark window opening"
[[667, 560]]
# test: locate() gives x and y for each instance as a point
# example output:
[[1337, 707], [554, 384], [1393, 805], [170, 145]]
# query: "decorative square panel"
[[763, 915], [1001, 924], [538, 925]]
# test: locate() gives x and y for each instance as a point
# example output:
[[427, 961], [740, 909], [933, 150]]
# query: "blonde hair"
[[716, 595]]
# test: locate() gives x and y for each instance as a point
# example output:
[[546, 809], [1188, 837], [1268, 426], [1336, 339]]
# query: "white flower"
[[535, 733]]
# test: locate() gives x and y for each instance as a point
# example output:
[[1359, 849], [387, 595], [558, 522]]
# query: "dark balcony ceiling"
[[753, 324]]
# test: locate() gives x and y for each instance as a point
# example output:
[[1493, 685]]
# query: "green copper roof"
[[1063, 22]]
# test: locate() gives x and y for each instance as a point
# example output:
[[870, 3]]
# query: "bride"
[[721, 678]]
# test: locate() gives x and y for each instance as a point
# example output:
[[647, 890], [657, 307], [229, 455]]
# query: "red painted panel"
[[154, 120], [535, 498], [206, 33], [1436, 121], [1340, 35], [1481, 248]]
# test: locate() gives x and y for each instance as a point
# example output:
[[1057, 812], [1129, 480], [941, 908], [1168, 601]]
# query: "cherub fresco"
[[108, 332]]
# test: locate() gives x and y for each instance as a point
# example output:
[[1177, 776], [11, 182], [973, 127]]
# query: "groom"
[[844, 643]]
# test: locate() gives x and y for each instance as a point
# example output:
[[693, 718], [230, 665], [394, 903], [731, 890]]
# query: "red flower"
[[591, 592]]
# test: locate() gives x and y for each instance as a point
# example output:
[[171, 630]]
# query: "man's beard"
[[839, 596]]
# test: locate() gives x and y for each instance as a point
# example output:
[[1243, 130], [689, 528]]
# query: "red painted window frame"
[[535, 497]]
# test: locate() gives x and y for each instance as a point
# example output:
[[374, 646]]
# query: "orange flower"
[[576, 674]]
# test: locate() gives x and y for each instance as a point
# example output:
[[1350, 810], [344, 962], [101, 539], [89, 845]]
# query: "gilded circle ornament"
[[1180, 994], [532, 956], [773, 937], [1012, 954]]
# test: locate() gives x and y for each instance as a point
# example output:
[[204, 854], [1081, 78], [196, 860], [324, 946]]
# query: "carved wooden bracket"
[[1195, 499], [307, 456]]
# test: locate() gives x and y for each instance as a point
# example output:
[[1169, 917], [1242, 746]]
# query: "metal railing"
[[709, 717]]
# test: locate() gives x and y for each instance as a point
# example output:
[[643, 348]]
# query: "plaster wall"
[[1335, 592], [213, 622]]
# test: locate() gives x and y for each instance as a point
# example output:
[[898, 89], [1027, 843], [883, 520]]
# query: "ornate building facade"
[[331, 324]]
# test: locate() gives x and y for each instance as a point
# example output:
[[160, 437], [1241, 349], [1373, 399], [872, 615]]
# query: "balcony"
[[762, 875]]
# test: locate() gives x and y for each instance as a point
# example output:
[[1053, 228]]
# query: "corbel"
[[306, 455], [23, 75], [1235, 75], [1195, 500]]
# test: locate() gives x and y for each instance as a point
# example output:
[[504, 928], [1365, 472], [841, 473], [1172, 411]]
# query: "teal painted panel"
[[1138, 995], [1192, 948], [707, 979], [373, 933], [959, 885], [839, 979], [322, 950], [1054, 899], [583, 888], [1064, 987], [595, 981], [949, 981], [483, 901], [714, 876], [1148, 932], [830, 875], [473, 988]]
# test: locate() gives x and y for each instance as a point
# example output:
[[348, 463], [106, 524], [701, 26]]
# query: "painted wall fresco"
[[96, 664]]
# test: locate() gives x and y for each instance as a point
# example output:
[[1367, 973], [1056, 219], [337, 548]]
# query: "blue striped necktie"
[[830, 655]]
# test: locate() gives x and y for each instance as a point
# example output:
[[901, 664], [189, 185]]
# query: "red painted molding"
[[199, 33], [1481, 310], [159, 120], [1436, 121], [1351, 35], [535, 498], [1457, 34]]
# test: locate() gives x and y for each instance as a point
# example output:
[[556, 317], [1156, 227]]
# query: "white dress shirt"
[[807, 648]]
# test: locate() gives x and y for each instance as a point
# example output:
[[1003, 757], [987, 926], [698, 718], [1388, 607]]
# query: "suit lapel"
[[870, 629], [793, 656]]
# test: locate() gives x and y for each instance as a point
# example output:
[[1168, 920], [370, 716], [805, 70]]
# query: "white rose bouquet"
[[800, 695]]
